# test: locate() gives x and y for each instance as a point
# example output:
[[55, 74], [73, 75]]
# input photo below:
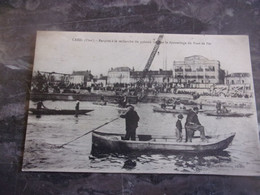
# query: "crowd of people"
[[41, 84]]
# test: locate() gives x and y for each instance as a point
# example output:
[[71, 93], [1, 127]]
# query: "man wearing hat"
[[131, 121], [192, 124]]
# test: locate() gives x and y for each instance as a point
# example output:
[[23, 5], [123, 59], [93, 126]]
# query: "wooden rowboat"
[[113, 143], [56, 112], [167, 110], [228, 114], [100, 103]]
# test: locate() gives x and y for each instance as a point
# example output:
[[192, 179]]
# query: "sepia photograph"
[[142, 103]]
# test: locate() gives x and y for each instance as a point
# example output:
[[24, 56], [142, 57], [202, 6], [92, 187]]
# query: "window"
[[178, 70], [210, 69], [200, 69]]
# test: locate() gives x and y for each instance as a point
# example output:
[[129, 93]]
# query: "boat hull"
[[112, 143], [229, 114], [56, 112], [167, 110], [100, 103]]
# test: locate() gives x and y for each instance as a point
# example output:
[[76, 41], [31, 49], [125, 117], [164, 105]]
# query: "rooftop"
[[120, 69]]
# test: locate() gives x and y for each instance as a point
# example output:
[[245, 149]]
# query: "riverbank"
[[94, 97]]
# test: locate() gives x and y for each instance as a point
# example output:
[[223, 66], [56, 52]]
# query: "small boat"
[[100, 103], [113, 143], [56, 112], [226, 114], [168, 110]]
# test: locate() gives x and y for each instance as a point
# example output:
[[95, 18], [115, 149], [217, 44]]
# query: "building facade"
[[120, 75], [101, 81], [152, 76], [81, 77], [239, 84], [55, 78], [77, 79], [198, 72], [238, 79]]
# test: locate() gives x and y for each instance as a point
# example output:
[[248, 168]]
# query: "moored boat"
[[226, 114], [167, 110], [57, 112], [111, 142], [100, 103]]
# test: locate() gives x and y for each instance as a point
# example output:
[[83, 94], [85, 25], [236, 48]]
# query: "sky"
[[64, 52]]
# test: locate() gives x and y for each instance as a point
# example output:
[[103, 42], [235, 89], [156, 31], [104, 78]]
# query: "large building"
[[119, 75], [198, 71]]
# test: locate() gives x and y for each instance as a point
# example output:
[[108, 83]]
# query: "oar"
[[87, 132]]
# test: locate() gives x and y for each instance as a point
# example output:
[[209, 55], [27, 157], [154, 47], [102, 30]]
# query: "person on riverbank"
[[179, 128], [131, 121], [193, 124], [77, 108]]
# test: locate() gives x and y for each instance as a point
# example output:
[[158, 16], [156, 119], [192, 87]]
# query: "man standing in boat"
[[193, 124], [131, 121]]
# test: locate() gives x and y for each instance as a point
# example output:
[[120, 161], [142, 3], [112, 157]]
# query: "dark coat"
[[179, 125], [77, 106], [192, 117], [40, 105], [131, 119]]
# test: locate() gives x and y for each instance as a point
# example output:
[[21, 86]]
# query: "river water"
[[45, 135]]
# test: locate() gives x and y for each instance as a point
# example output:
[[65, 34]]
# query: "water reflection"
[[181, 162], [76, 119], [129, 164]]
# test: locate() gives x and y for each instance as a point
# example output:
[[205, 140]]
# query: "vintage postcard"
[[142, 103]]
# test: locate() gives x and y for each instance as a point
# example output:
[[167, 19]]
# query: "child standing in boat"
[[179, 128]]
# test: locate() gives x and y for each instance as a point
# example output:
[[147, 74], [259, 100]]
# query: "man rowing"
[[40, 105]]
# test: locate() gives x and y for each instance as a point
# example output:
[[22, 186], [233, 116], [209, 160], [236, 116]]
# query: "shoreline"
[[95, 97]]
